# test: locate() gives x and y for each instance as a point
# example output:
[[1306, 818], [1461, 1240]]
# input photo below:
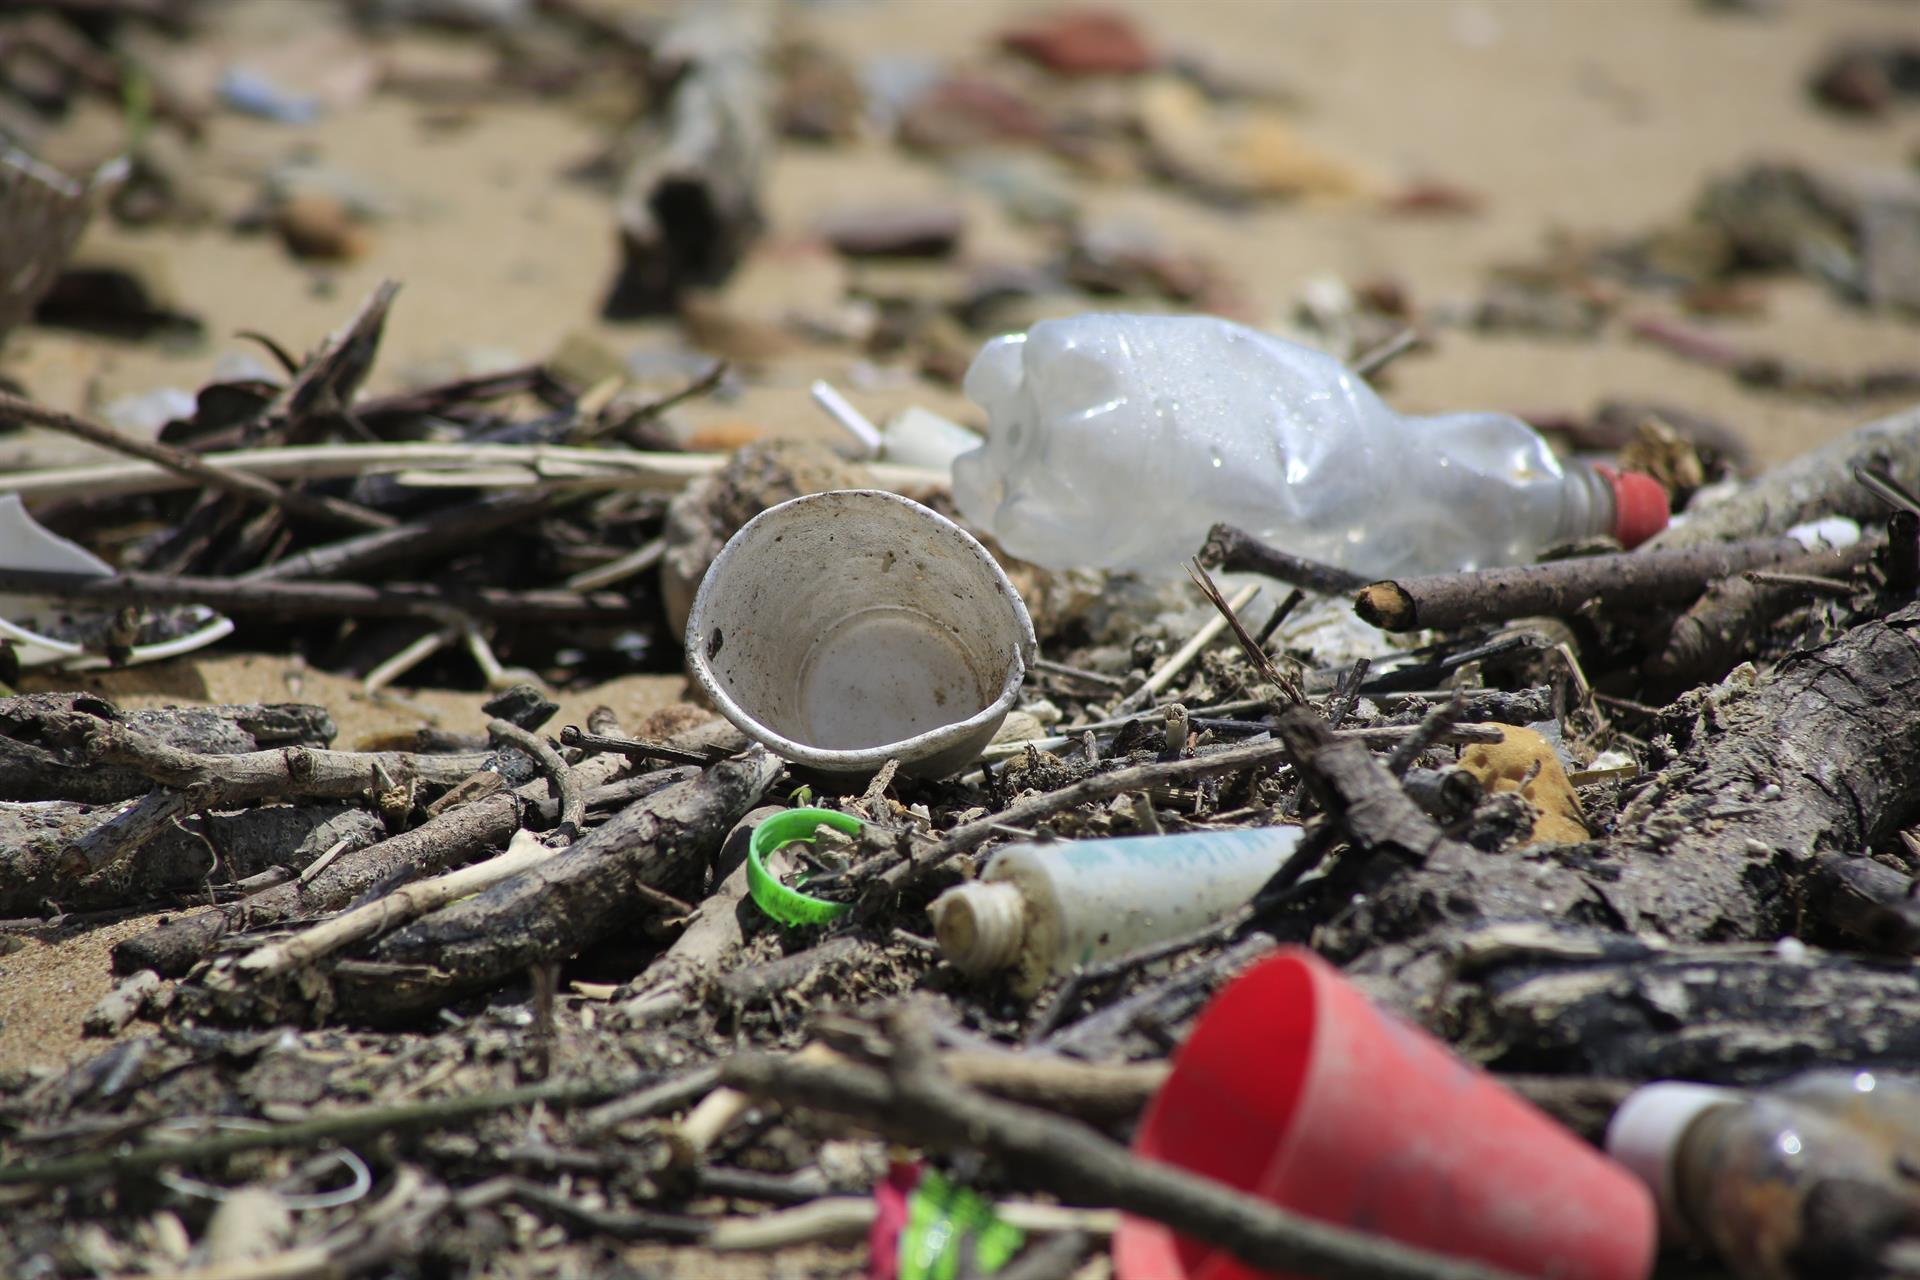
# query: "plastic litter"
[[1812, 1177], [917, 437], [1118, 441], [1294, 1087], [914, 437], [45, 632], [788, 905], [849, 628], [1041, 909], [254, 94], [929, 1229]]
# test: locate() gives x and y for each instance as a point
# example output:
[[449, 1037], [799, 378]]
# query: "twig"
[[1718, 629], [1346, 694], [1078, 673], [1289, 687], [1801, 582], [1889, 490], [324, 861], [334, 1126], [1100, 1029], [1280, 615], [1431, 728], [431, 533], [1071, 1158], [1237, 551], [704, 384], [323, 599], [122, 1004], [668, 1095], [620, 569], [545, 466], [1186, 653], [1372, 361], [331, 510], [377, 917], [124, 834], [408, 657], [566, 787], [635, 748], [1561, 587]]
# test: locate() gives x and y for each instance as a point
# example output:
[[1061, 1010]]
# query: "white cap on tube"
[[1646, 1131], [980, 925]]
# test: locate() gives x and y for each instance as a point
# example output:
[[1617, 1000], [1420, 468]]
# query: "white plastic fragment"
[[919, 437], [851, 420], [30, 621], [1831, 532]]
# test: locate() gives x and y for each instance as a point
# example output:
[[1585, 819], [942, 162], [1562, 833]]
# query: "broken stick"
[[1237, 551], [14, 409], [324, 599], [1561, 587]]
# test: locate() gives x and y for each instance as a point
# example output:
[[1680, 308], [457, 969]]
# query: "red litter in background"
[[1295, 1088]]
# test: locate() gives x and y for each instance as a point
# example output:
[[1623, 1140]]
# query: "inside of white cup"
[[884, 675], [853, 620]]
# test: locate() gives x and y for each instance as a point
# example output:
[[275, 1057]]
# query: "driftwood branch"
[[448, 839], [265, 775], [1822, 755], [376, 917], [31, 769], [1719, 630], [1561, 587], [1606, 1005], [690, 204], [556, 909], [37, 867]]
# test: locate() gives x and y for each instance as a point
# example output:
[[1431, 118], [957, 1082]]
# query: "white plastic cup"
[[849, 628]]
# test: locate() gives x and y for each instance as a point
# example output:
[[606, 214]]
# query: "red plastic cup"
[[1295, 1087]]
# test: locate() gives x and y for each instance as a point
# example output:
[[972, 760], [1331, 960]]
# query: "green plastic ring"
[[782, 829]]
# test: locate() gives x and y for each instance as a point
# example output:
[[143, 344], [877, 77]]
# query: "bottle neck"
[[1697, 1160], [1587, 504]]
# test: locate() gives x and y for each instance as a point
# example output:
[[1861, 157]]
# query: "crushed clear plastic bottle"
[[1118, 441]]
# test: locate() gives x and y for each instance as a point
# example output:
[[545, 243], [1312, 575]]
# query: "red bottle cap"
[[1640, 505]]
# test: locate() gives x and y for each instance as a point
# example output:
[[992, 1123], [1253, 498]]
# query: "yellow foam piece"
[[1506, 766]]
